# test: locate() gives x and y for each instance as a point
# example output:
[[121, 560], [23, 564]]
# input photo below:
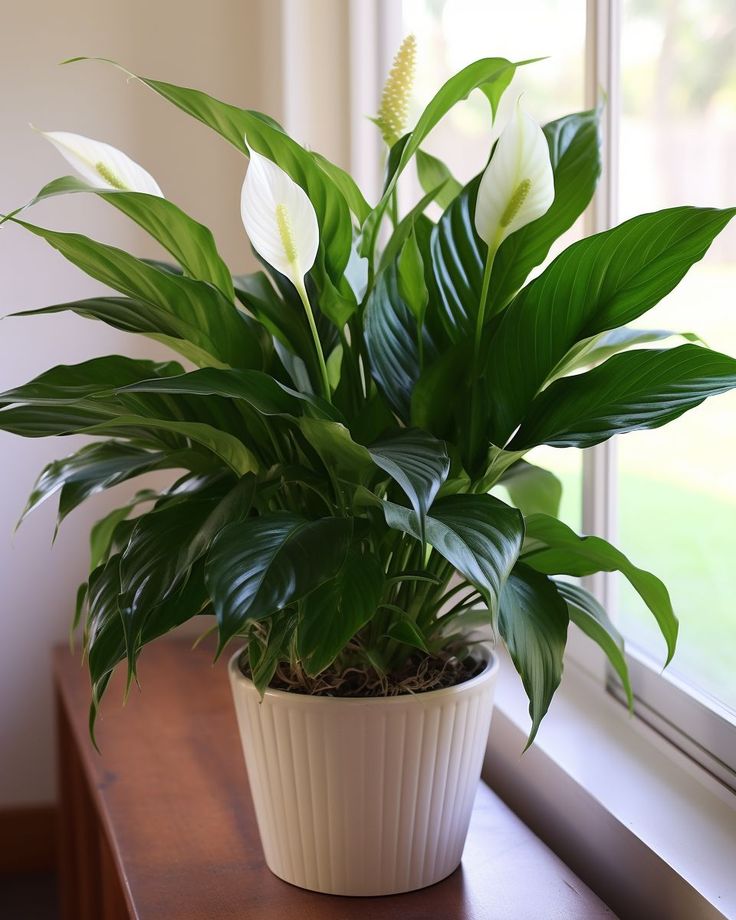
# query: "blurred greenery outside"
[[677, 485]]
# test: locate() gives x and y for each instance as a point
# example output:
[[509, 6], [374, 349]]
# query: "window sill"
[[650, 831]]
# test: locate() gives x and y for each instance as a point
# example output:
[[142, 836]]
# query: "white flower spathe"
[[103, 165], [279, 219], [517, 186]]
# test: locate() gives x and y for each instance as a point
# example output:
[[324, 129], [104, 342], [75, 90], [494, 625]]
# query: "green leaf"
[[532, 489], [260, 391], [491, 75], [640, 389], [596, 284], [348, 186], [391, 340], [405, 630], [266, 137], [432, 173], [412, 286], [333, 613], [480, 535], [102, 537], [163, 547], [589, 616], [92, 469], [574, 148], [105, 644], [458, 259], [337, 450], [555, 549], [263, 665], [161, 303], [189, 242], [75, 383], [533, 623], [418, 463], [598, 348], [261, 565], [227, 447], [405, 228], [430, 407]]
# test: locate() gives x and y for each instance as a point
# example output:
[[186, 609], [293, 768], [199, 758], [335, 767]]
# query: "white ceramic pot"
[[364, 796]]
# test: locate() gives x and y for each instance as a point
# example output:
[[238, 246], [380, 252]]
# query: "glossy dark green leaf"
[[645, 388], [105, 645], [589, 616], [418, 463], [332, 614], [227, 447], [391, 340], [281, 627], [91, 469], [480, 535], [555, 549], [260, 391], [104, 533], [533, 623], [75, 383], [164, 545], [155, 561], [189, 242], [161, 303], [258, 567], [596, 284], [532, 489], [458, 259], [337, 449], [430, 407]]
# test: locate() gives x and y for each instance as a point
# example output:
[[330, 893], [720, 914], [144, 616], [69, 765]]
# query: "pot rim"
[[306, 699]]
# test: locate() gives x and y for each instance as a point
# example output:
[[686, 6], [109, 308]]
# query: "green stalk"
[[481, 317], [479, 323], [302, 291]]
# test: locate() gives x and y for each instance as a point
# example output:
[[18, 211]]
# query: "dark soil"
[[420, 675]]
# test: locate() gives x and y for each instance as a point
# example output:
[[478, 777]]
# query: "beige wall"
[[224, 46]]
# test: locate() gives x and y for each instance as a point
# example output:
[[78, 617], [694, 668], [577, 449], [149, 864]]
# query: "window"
[[670, 138]]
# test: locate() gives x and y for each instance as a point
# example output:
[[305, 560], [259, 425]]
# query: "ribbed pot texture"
[[364, 796]]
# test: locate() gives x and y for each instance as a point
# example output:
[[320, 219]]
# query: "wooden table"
[[161, 826]]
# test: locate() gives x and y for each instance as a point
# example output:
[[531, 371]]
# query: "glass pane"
[[677, 484], [453, 33]]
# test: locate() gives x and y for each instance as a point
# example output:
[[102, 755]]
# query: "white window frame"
[[695, 723]]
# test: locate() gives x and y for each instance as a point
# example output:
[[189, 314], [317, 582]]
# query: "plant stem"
[[302, 291], [475, 367], [480, 318]]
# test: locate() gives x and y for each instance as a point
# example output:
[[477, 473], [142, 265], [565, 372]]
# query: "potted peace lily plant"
[[334, 433]]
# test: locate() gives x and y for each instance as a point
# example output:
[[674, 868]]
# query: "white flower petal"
[[517, 186], [279, 218], [102, 165]]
